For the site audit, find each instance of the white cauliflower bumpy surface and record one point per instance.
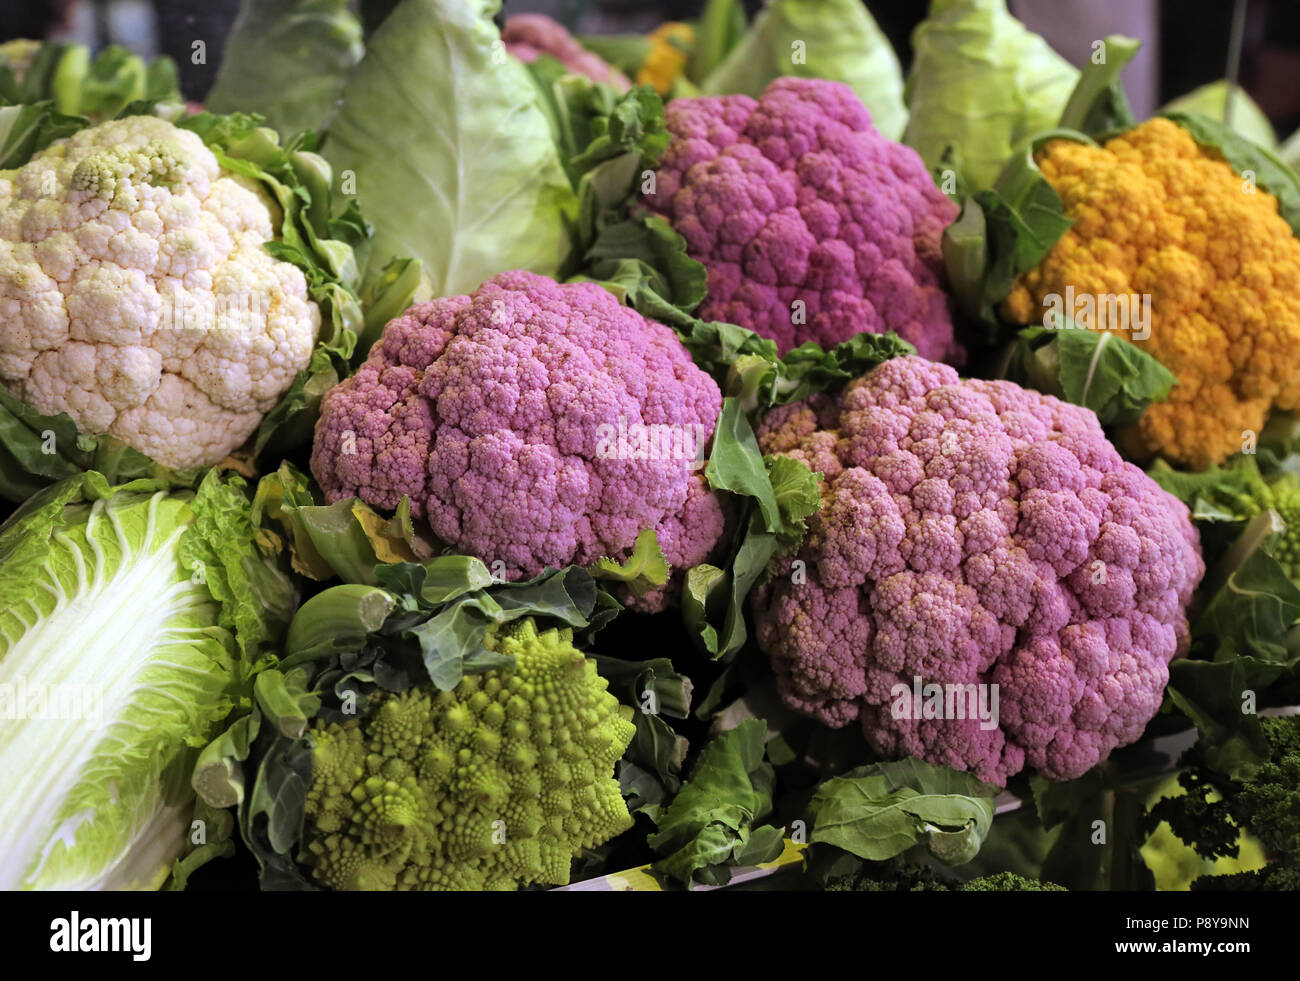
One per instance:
(136, 295)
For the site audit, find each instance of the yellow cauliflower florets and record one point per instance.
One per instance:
(667, 57)
(1155, 214)
(136, 294)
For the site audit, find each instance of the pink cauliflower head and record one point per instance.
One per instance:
(976, 533)
(529, 36)
(813, 226)
(531, 423)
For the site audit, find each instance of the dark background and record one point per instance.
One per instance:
(1190, 46)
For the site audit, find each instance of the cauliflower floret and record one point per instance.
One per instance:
(976, 533)
(501, 416)
(813, 227)
(136, 295)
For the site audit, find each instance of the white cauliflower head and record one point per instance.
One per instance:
(136, 295)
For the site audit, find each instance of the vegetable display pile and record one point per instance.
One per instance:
(470, 454)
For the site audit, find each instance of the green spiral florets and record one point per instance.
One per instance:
(496, 784)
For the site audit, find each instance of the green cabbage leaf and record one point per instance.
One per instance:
(287, 60)
(450, 150)
(980, 85)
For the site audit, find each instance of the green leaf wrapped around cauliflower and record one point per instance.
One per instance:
(495, 784)
(137, 297)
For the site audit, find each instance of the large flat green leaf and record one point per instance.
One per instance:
(879, 811)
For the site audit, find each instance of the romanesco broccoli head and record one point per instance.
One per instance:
(1283, 496)
(493, 785)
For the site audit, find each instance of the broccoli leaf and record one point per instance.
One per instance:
(451, 639)
(876, 812)
(736, 464)
(1096, 369)
(335, 621)
(798, 497)
(654, 684)
(347, 539)
(1229, 104)
(1003, 232)
(646, 568)
(25, 130)
(1244, 640)
(610, 144)
(114, 82)
(1253, 603)
(271, 819)
(650, 771)
(1213, 494)
(218, 842)
(438, 581)
(777, 494)
(709, 827)
(1098, 104)
(600, 126)
(760, 380)
(385, 294)
(1111, 376)
(643, 261)
(1212, 695)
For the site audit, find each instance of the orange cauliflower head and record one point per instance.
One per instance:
(1156, 214)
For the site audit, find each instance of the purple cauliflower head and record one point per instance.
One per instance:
(813, 226)
(532, 424)
(529, 36)
(976, 533)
